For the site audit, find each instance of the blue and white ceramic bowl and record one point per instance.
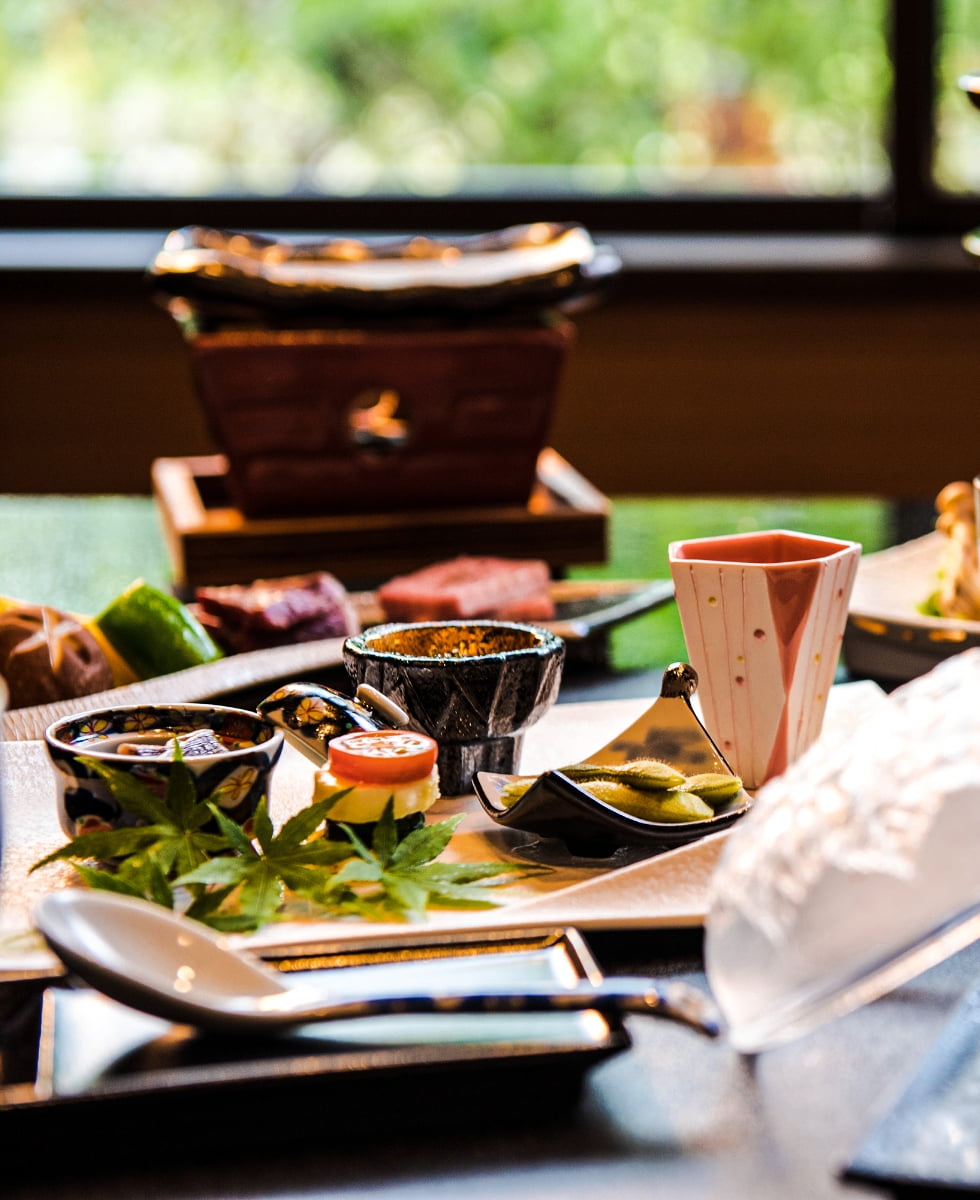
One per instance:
(234, 777)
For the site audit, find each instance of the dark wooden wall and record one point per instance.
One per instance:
(674, 386)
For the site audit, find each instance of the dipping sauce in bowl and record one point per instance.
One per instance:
(229, 752)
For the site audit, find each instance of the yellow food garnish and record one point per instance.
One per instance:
(649, 806)
(959, 571)
(645, 788)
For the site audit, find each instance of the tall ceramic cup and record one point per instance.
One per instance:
(763, 617)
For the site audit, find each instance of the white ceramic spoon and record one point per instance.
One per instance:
(170, 966)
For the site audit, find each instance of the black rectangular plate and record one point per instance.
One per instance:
(106, 1071)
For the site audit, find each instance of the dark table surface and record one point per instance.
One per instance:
(675, 1116)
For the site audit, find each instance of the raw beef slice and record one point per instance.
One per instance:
(468, 587)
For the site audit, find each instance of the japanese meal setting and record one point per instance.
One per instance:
(367, 772)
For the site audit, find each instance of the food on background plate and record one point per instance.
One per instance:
(276, 612)
(958, 594)
(464, 587)
(49, 655)
(154, 633)
(646, 788)
(366, 769)
(144, 632)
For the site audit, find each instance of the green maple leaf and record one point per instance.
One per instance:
(171, 841)
(398, 879)
(239, 881)
(139, 875)
(103, 845)
(260, 875)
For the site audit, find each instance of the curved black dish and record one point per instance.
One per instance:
(556, 807)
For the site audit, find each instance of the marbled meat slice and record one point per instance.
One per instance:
(468, 587)
(276, 612)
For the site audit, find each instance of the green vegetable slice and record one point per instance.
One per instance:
(646, 774)
(154, 632)
(645, 788)
(712, 787)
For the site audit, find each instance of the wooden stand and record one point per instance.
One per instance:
(211, 542)
(376, 419)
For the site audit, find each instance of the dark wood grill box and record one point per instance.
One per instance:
(332, 420)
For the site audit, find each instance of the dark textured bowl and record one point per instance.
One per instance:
(473, 686)
(235, 779)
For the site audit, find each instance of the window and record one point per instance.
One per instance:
(626, 114)
(956, 163)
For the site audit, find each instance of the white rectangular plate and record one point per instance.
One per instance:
(667, 891)
(670, 890)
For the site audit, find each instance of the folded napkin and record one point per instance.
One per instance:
(856, 869)
(930, 1138)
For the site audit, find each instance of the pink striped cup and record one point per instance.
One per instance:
(763, 617)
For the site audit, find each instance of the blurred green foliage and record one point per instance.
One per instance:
(440, 96)
(957, 153)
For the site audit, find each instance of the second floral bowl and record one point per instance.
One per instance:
(229, 753)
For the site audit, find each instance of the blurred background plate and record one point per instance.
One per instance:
(887, 638)
(584, 611)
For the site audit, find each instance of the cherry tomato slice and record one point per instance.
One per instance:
(382, 756)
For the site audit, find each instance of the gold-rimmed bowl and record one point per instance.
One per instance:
(474, 686)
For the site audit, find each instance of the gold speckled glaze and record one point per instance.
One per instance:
(453, 641)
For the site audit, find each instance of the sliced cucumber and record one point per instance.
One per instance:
(154, 633)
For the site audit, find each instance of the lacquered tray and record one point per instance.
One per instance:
(106, 1071)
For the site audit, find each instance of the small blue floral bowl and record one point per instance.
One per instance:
(229, 752)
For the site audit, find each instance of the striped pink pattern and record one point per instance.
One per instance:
(763, 617)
